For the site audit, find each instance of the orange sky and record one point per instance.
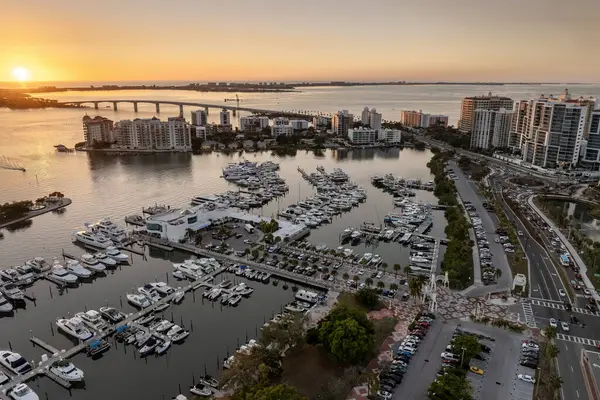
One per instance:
(425, 40)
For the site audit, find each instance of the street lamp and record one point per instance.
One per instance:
(462, 358)
(539, 378)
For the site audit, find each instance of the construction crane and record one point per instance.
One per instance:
(237, 100)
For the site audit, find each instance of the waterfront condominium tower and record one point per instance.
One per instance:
(371, 118)
(491, 128)
(225, 117)
(341, 122)
(470, 104)
(199, 118)
(591, 146)
(97, 130)
(551, 132)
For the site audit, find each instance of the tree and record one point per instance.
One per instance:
(288, 333)
(384, 266)
(466, 347)
(325, 270)
(368, 281)
(334, 272)
(355, 278)
(552, 351)
(414, 288)
(397, 268)
(450, 387)
(346, 340)
(394, 286)
(407, 270)
(277, 392)
(367, 297)
(250, 370)
(254, 253)
(345, 276)
(554, 382)
(549, 332)
(380, 284)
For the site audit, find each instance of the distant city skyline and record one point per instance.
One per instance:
(380, 40)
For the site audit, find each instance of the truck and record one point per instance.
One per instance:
(249, 228)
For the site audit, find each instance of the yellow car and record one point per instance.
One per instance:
(476, 370)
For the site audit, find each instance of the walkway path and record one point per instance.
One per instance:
(50, 206)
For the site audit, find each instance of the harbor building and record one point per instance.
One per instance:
(362, 136)
(97, 130)
(299, 124)
(341, 122)
(491, 128)
(371, 118)
(489, 102)
(224, 117)
(199, 118)
(153, 134)
(253, 123)
(390, 136)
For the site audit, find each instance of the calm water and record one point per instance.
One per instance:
(113, 187)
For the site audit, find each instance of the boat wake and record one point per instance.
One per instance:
(6, 163)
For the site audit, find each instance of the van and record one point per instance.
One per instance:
(249, 228)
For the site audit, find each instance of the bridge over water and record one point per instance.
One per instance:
(206, 106)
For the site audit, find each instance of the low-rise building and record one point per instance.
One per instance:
(419, 119)
(299, 124)
(390, 136)
(253, 123)
(320, 121)
(285, 130)
(362, 136)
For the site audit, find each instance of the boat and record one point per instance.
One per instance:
(74, 327)
(92, 319)
(234, 299)
(347, 252)
(200, 389)
(209, 381)
(366, 258)
(61, 274)
(141, 337)
(225, 284)
(39, 265)
(77, 269)
(161, 307)
(5, 306)
(95, 240)
(116, 255)
(162, 325)
(388, 235)
(292, 307)
(228, 362)
(178, 297)
(148, 346)
(138, 300)
(12, 292)
(376, 260)
(179, 275)
(149, 291)
(225, 298)
(112, 314)
(12, 275)
(180, 397)
(162, 288)
(14, 362)
(148, 319)
(92, 263)
(23, 392)
(177, 333)
(163, 346)
(67, 371)
(97, 347)
(25, 270)
(189, 269)
(105, 259)
(108, 228)
(3, 378)
(306, 295)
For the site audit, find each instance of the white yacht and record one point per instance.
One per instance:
(23, 392)
(67, 371)
(105, 259)
(138, 300)
(162, 288)
(111, 314)
(347, 252)
(148, 346)
(74, 327)
(110, 229)
(200, 389)
(92, 263)
(162, 325)
(163, 345)
(389, 234)
(93, 239)
(5, 307)
(366, 258)
(77, 269)
(61, 274)
(93, 319)
(149, 291)
(116, 254)
(376, 260)
(26, 271)
(12, 292)
(38, 264)
(308, 296)
(14, 362)
(355, 235)
(177, 333)
(189, 269)
(9, 275)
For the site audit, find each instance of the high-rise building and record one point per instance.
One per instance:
(550, 132)
(299, 124)
(371, 118)
(199, 118)
(418, 119)
(225, 117)
(153, 134)
(97, 130)
(435, 119)
(591, 146)
(491, 128)
(341, 122)
(489, 102)
(253, 123)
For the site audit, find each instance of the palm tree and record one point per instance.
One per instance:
(554, 381)
(393, 286)
(414, 287)
(407, 270)
(345, 276)
(397, 268)
(355, 278)
(334, 273)
(325, 270)
(552, 351)
(368, 281)
(380, 284)
(549, 333)
(384, 266)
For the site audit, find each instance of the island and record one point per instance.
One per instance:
(17, 100)
(19, 211)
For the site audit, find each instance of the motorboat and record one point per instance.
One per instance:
(14, 362)
(376, 260)
(141, 337)
(116, 254)
(138, 300)
(163, 346)
(347, 252)
(89, 260)
(177, 333)
(93, 239)
(189, 269)
(209, 381)
(105, 259)
(23, 392)
(228, 362)
(366, 257)
(148, 346)
(178, 297)
(77, 269)
(225, 298)
(39, 265)
(161, 307)
(113, 231)
(111, 314)
(293, 307)
(179, 275)
(306, 295)
(67, 371)
(25, 270)
(13, 275)
(12, 292)
(92, 319)
(149, 291)
(200, 389)
(5, 306)
(162, 288)
(74, 327)
(61, 274)
(225, 284)
(235, 299)
(147, 320)
(162, 325)
(3, 378)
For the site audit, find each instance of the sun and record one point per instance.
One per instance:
(21, 74)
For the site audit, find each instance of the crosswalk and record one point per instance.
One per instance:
(577, 339)
(559, 306)
(529, 318)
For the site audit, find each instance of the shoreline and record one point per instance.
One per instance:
(31, 214)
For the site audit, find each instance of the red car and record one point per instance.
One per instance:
(578, 275)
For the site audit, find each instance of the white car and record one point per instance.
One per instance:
(361, 271)
(520, 233)
(526, 378)
(564, 326)
(562, 292)
(384, 395)
(553, 323)
(448, 355)
(586, 292)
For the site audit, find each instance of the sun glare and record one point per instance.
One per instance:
(21, 74)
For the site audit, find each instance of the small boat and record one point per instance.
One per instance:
(112, 314)
(179, 275)
(97, 347)
(92, 319)
(146, 320)
(62, 275)
(5, 306)
(14, 362)
(3, 378)
(162, 288)
(138, 300)
(235, 299)
(23, 392)
(163, 346)
(149, 291)
(141, 337)
(39, 265)
(225, 284)
(161, 307)
(148, 346)
(294, 308)
(67, 371)
(74, 327)
(178, 297)
(77, 269)
(12, 292)
(225, 298)
(116, 254)
(105, 259)
(177, 333)
(162, 325)
(200, 389)
(209, 381)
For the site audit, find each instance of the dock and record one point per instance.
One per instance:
(39, 342)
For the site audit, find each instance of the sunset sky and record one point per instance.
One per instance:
(375, 40)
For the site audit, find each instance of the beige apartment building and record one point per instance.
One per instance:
(489, 102)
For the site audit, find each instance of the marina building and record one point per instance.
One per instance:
(341, 122)
(253, 123)
(97, 130)
(224, 117)
(299, 124)
(199, 118)
(390, 136)
(371, 118)
(362, 136)
(491, 128)
(153, 134)
(489, 102)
